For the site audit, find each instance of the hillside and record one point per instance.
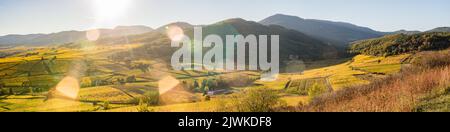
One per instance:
(406, 32)
(440, 29)
(402, 43)
(69, 36)
(422, 87)
(157, 44)
(291, 42)
(183, 25)
(337, 33)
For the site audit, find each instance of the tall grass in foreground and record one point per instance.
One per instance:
(430, 73)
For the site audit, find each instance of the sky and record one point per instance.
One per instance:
(47, 16)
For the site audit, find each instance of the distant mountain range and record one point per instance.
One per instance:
(439, 29)
(339, 34)
(292, 43)
(70, 36)
(405, 32)
(336, 33)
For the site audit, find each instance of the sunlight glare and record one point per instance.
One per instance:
(175, 33)
(92, 35)
(167, 83)
(110, 9)
(69, 87)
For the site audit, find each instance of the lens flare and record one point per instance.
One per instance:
(167, 83)
(175, 33)
(93, 35)
(68, 87)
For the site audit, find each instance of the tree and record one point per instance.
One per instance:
(152, 97)
(11, 92)
(106, 105)
(143, 105)
(1, 88)
(131, 79)
(121, 81)
(31, 91)
(211, 84)
(196, 85)
(257, 100)
(203, 87)
(86, 82)
(288, 84)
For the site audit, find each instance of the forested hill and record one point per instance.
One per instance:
(402, 43)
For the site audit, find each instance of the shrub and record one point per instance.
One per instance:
(131, 79)
(152, 97)
(256, 100)
(196, 85)
(106, 105)
(143, 106)
(432, 59)
(207, 98)
(86, 82)
(437, 101)
(3, 91)
(11, 91)
(239, 80)
(316, 90)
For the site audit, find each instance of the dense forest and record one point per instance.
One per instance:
(401, 43)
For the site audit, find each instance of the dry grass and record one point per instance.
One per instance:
(398, 93)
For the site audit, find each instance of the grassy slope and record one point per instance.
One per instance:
(424, 86)
(437, 102)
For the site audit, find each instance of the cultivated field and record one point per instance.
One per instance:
(34, 79)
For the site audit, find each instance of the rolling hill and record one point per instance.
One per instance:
(69, 36)
(183, 25)
(406, 32)
(402, 43)
(291, 42)
(337, 33)
(440, 29)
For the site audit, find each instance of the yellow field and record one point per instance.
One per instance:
(343, 75)
(45, 67)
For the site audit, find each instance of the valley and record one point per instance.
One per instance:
(339, 67)
(30, 77)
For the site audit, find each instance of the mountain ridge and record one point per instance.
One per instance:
(70, 36)
(337, 33)
(292, 43)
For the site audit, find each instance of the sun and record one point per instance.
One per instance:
(110, 9)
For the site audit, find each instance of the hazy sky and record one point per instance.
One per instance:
(46, 16)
